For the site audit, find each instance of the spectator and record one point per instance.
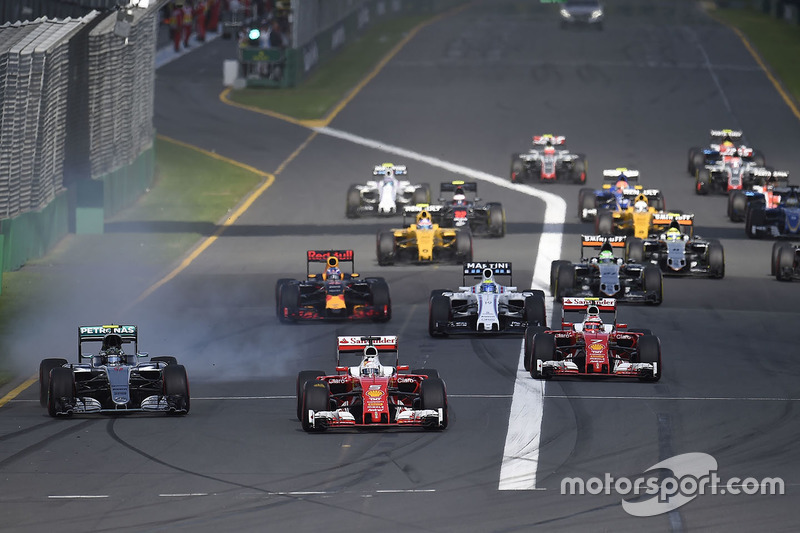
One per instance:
(200, 8)
(187, 22)
(212, 22)
(176, 24)
(275, 37)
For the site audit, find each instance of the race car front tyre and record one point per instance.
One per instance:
(463, 246)
(497, 219)
(554, 267)
(703, 182)
(518, 172)
(278, 284)
(302, 377)
(44, 377)
(634, 250)
(737, 205)
(565, 281)
(535, 313)
(61, 392)
(604, 223)
(785, 268)
(176, 389)
(386, 248)
(653, 284)
(586, 200)
(353, 202)
(316, 397)
(649, 351)
(658, 202)
(697, 159)
(527, 345)
(438, 316)
(776, 250)
(544, 349)
(381, 300)
(579, 170)
(755, 216)
(422, 194)
(716, 260)
(289, 302)
(433, 395)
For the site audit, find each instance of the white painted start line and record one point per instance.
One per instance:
(521, 452)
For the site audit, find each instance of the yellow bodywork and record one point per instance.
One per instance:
(637, 223)
(426, 240)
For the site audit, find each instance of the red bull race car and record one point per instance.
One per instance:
(371, 394)
(332, 294)
(592, 343)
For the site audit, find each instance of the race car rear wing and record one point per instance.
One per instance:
(595, 242)
(128, 334)
(355, 344)
(436, 211)
(661, 220)
(380, 170)
(580, 308)
(466, 186)
(723, 134)
(321, 256)
(555, 140)
(614, 174)
(478, 269)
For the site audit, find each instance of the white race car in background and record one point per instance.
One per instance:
(387, 194)
(487, 306)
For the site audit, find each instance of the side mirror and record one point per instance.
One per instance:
(354, 275)
(566, 325)
(403, 367)
(312, 276)
(86, 356)
(622, 326)
(342, 368)
(142, 354)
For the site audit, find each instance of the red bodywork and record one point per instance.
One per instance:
(601, 351)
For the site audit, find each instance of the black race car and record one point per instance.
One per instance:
(332, 294)
(786, 261)
(464, 209)
(112, 380)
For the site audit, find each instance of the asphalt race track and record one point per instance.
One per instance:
(469, 90)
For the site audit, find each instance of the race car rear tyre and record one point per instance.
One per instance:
(176, 388)
(554, 267)
(658, 202)
(61, 391)
(634, 250)
(535, 313)
(604, 223)
(544, 349)
(697, 160)
(438, 316)
(579, 170)
(703, 182)
(430, 372)
(755, 216)
(381, 299)
(776, 250)
(737, 205)
(316, 397)
(433, 395)
(565, 281)
(422, 194)
(653, 283)
(302, 377)
(353, 202)
(463, 246)
(170, 360)
(289, 301)
(758, 158)
(716, 260)
(527, 345)
(785, 268)
(497, 220)
(386, 248)
(586, 200)
(649, 351)
(517, 173)
(278, 284)
(44, 377)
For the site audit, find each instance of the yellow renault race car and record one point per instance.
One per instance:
(423, 241)
(636, 219)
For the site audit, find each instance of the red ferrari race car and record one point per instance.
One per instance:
(370, 394)
(592, 346)
(333, 294)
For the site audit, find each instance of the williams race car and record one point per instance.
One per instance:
(544, 162)
(423, 241)
(592, 346)
(676, 249)
(607, 274)
(782, 221)
(386, 194)
(786, 261)
(112, 380)
(722, 141)
(466, 210)
(485, 307)
(618, 195)
(333, 294)
(761, 193)
(370, 394)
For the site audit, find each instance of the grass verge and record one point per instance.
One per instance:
(333, 79)
(776, 40)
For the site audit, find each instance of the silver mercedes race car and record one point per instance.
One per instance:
(485, 307)
(387, 194)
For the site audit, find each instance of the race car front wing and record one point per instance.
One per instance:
(405, 417)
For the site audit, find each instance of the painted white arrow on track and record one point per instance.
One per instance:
(521, 453)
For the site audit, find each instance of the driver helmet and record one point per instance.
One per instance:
(112, 356)
(549, 149)
(370, 368)
(606, 255)
(674, 234)
(640, 206)
(727, 144)
(621, 184)
(425, 223)
(488, 286)
(459, 198)
(333, 273)
(593, 323)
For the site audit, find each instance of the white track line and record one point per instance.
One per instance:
(521, 452)
(78, 496)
